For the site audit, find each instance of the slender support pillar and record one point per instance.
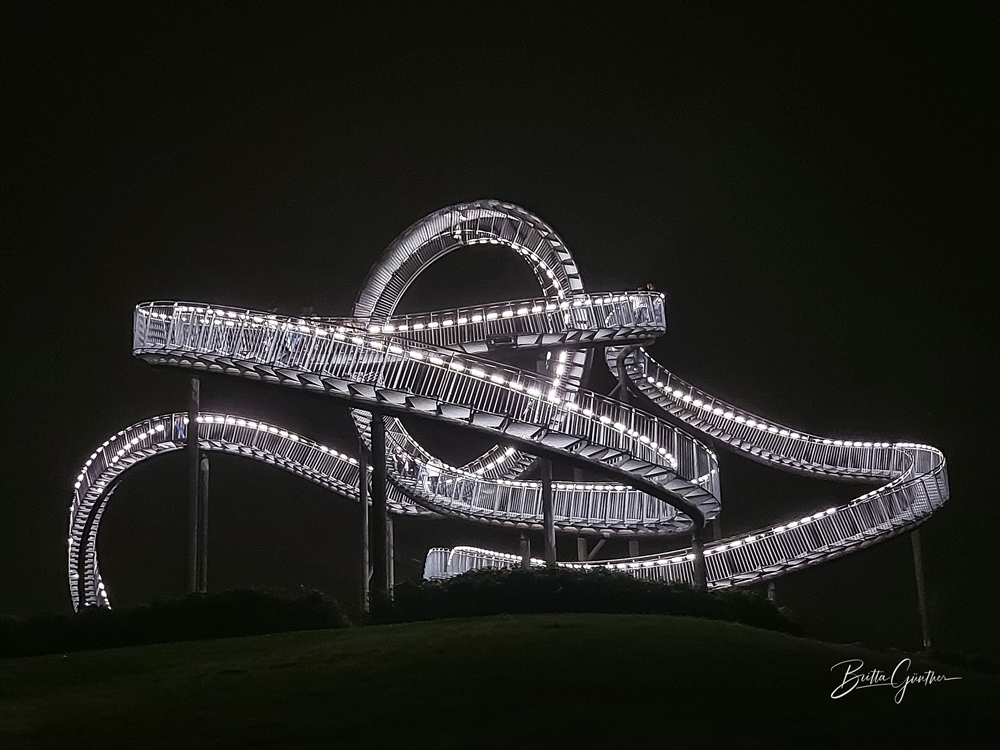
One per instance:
(524, 549)
(716, 529)
(622, 386)
(391, 544)
(194, 470)
(918, 567)
(378, 523)
(633, 547)
(581, 541)
(770, 591)
(697, 548)
(548, 514)
(203, 526)
(366, 572)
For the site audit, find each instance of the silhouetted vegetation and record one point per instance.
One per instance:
(475, 594)
(198, 616)
(975, 662)
(492, 592)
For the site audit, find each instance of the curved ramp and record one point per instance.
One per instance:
(226, 433)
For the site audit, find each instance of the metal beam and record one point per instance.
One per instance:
(379, 524)
(194, 470)
(918, 568)
(203, 526)
(548, 515)
(366, 572)
(597, 548)
(698, 549)
(391, 545)
(620, 371)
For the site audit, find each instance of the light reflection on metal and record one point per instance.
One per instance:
(430, 365)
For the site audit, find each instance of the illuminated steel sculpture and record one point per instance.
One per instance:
(661, 480)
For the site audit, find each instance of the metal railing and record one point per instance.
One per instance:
(761, 439)
(917, 485)
(226, 433)
(774, 550)
(406, 376)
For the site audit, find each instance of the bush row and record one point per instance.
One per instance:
(478, 593)
(491, 591)
(198, 616)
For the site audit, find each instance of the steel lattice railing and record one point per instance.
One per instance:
(407, 377)
(226, 433)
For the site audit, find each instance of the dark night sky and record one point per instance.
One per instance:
(816, 189)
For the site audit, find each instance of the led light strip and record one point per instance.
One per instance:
(226, 433)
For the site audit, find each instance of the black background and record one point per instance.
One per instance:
(815, 187)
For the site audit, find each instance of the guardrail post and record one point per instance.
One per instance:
(548, 515)
(918, 568)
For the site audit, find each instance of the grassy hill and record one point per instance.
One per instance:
(561, 680)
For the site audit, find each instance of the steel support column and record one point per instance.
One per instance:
(524, 549)
(918, 568)
(548, 514)
(391, 545)
(697, 548)
(194, 471)
(379, 510)
(203, 525)
(622, 388)
(366, 572)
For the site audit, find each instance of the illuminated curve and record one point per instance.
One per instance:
(662, 479)
(914, 475)
(236, 435)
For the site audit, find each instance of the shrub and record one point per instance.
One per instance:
(198, 616)
(516, 591)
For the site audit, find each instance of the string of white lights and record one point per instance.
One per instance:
(235, 435)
